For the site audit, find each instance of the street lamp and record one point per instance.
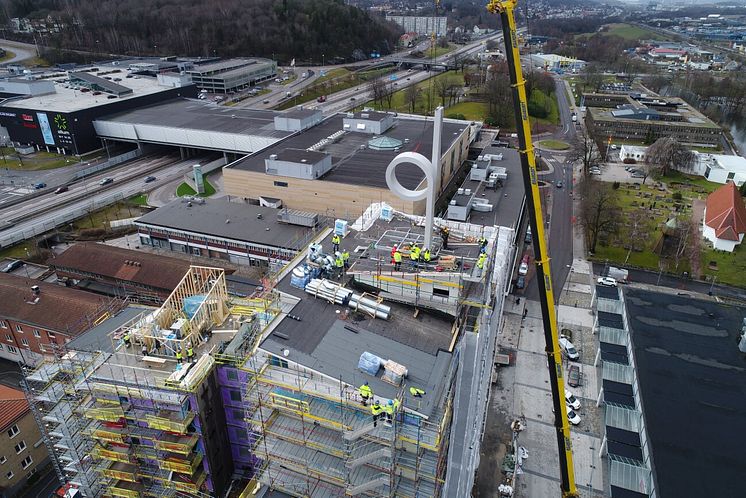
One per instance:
(323, 60)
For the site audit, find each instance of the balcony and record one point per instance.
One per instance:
(181, 466)
(169, 421)
(109, 435)
(121, 471)
(189, 487)
(173, 443)
(114, 453)
(109, 414)
(126, 489)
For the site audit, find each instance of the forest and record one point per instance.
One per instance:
(283, 29)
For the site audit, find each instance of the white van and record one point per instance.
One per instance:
(568, 348)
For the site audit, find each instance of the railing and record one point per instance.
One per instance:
(165, 424)
(181, 466)
(105, 414)
(108, 163)
(182, 447)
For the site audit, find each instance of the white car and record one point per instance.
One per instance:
(571, 401)
(523, 269)
(573, 417)
(607, 281)
(568, 348)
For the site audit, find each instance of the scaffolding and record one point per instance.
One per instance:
(316, 439)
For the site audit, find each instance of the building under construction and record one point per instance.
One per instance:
(211, 389)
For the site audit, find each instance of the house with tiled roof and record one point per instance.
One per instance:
(21, 450)
(37, 317)
(724, 222)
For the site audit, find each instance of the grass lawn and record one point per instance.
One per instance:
(334, 73)
(424, 88)
(333, 81)
(186, 189)
(101, 218)
(629, 32)
(553, 144)
(290, 79)
(553, 118)
(731, 266)
(472, 111)
(37, 161)
(697, 181)
(18, 251)
(439, 50)
(8, 55)
(139, 200)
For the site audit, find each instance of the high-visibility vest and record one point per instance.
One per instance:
(397, 257)
(426, 256)
(339, 262)
(376, 409)
(482, 241)
(390, 409)
(345, 255)
(481, 260)
(178, 355)
(415, 253)
(190, 352)
(414, 391)
(365, 391)
(336, 239)
(126, 338)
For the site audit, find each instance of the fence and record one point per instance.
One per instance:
(113, 161)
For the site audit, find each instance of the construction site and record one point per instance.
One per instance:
(214, 393)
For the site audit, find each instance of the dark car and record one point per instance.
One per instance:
(14, 265)
(61, 189)
(559, 184)
(106, 181)
(149, 179)
(521, 282)
(40, 185)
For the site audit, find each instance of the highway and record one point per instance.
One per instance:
(89, 195)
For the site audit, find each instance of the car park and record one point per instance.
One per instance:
(606, 281)
(568, 348)
(571, 400)
(573, 417)
(149, 179)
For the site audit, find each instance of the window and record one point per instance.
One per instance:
(19, 328)
(231, 374)
(9, 475)
(235, 395)
(24, 341)
(20, 446)
(440, 292)
(3, 460)
(26, 462)
(196, 251)
(12, 349)
(37, 333)
(3, 324)
(1, 347)
(51, 336)
(13, 432)
(281, 184)
(8, 337)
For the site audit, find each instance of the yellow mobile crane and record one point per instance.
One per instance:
(505, 9)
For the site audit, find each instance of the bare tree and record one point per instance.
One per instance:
(442, 86)
(644, 170)
(667, 154)
(377, 89)
(411, 96)
(584, 149)
(638, 227)
(599, 213)
(593, 77)
(388, 92)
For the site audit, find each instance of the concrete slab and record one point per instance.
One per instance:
(579, 287)
(533, 403)
(532, 340)
(581, 266)
(531, 370)
(588, 466)
(575, 316)
(534, 485)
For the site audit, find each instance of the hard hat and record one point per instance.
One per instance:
(366, 383)
(391, 402)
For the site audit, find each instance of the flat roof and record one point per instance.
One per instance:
(224, 65)
(211, 218)
(300, 155)
(330, 339)
(693, 386)
(97, 338)
(355, 165)
(192, 114)
(71, 100)
(107, 85)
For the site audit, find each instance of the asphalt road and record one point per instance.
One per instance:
(22, 51)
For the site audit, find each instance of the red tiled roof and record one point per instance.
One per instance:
(58, 308)
(726, 213)
(12, 405)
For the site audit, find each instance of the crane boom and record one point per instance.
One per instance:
(505, 9)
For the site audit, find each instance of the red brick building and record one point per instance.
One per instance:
(35, 316)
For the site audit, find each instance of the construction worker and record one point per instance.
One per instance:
(346, 258)
(336, 240)
(393, 252)
(444, 234)
(127, 340)
(190, 353)
(414, 254)
(376, 409)
(339, 263)
(481, 260)
(416, 392)
(482, 243)
(397, 260)
(144, 350)
(179, 356)
(365, 393)
(426, 255)
(390, 408)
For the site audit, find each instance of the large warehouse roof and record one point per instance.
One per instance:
(195, 124)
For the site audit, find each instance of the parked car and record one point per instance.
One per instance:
(106, 181)
(638, 175)
(573, 417)
(606, 281)
(149, 179)
(568, 348)
(40, 185)
(352, 99)
(528, 237)
(595, 171)
(559, 184)
(61, 189)
(521, 282)
(571, 400)
(13, 265)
